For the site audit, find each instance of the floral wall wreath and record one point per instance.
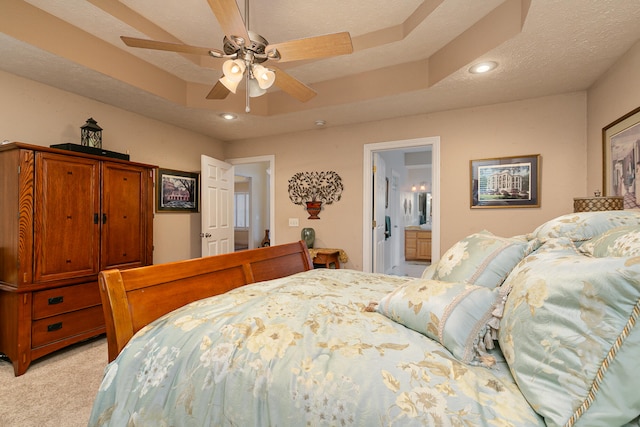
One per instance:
(314, 189)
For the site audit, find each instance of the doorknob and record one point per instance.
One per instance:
(205, 235)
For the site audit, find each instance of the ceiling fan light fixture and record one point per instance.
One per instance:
(255, 90)
(232, 85)
(264, 76)
(233, 70)
(483, 67)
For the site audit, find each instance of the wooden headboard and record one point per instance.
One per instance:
(133, 298)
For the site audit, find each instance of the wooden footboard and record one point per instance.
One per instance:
(133, 298)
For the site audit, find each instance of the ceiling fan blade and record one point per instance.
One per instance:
(219, 91)
(314, 47)
(171, 47)
(293, 86)
(228, 15)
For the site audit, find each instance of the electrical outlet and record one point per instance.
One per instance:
(293, 222)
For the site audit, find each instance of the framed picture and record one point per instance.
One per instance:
(506, 182)
(621, 159)
(177, 191)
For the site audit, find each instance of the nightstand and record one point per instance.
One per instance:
(324, 257)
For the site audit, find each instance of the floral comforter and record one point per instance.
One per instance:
(300, 351)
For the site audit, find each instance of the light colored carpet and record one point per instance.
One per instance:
(57, 390)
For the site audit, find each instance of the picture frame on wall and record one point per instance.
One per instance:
(621, 159)
(505, 182)
(177, 191)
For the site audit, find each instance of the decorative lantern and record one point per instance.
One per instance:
(91, 134)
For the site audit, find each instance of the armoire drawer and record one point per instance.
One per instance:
(66, 325)
(65, 299)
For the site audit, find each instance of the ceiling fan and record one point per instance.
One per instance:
(246, 51)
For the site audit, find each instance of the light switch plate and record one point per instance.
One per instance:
(293, 222)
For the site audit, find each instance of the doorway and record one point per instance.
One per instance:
(258, 173)
(371, 253)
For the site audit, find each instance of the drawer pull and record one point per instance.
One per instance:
(54, 327)
(56, 300)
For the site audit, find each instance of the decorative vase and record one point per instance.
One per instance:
(309, 236)
(314, 209)
(266, 241)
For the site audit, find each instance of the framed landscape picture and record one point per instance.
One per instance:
(506, 182)
(177, 191)
(621, 159)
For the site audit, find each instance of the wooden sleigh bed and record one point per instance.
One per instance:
(260, 338)
(133, 298)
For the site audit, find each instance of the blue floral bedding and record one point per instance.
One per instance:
(300, 351)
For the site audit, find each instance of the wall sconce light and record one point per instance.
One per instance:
(91, 134)
(423, 187)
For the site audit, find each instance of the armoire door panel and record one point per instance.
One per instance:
(66, 236)
(123, 228)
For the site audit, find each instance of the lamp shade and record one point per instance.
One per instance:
(232, 85)
(264, 76)
(254, 89)
(233, 70)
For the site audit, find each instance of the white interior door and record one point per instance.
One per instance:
(216, 206)
(379, 195)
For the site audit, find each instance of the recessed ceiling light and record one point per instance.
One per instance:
(320, 122)
(483, 67)
(228, 116)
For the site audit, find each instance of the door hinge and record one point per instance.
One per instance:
(373, 224)
(375, 168)
(19, 169)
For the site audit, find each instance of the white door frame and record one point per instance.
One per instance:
(367, 191)
(378, 194)
(272, 185)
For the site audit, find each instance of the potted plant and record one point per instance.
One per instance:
(314, 189)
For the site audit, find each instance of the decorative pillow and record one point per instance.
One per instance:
(429, 272)
(570, 337)
(583, 226)
(482, 259)
(617, 242)
(457, 315)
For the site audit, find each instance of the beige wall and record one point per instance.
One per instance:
(38, 114)
(554, 127)
(615, 94)
(564, 129)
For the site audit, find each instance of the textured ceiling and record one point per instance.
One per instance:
(547, 47)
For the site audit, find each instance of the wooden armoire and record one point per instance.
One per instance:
(64, 216)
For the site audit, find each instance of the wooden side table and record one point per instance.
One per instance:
(327, 256)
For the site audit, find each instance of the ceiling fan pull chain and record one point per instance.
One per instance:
(247, 108)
